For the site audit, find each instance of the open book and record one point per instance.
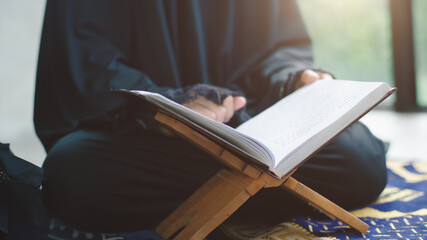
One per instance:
(282, 137)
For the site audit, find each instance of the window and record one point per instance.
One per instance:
(419, 8)
(351, 39)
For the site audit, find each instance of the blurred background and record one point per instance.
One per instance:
(381, 40)
(20, 29)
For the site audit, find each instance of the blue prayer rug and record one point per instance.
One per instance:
(399, 213)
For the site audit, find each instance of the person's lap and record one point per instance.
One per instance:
(102, 181)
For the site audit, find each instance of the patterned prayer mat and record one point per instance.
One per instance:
(399, 213)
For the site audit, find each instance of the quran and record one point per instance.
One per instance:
(285, 135)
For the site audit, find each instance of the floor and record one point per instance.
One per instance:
(406, 132)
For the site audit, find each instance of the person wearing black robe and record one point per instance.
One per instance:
(108, 168)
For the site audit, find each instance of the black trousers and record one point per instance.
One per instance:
(102, 181)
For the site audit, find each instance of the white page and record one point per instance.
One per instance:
(291, 122)
(239, 140)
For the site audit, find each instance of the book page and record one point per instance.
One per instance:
(229, 135)
(287, 133)
(293, 121)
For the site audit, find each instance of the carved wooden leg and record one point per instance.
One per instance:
(209, 206)
(182, 215)
(324, 205)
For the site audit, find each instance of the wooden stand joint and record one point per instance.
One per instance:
(225, 192)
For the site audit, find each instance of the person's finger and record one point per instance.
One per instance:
(195, 106)
(202, 109)
(309, 76)
(238, 102)
(221, 113)
(228, 104)
(219, 110)
(325, 76)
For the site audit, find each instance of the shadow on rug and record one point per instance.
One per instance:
(399, 213)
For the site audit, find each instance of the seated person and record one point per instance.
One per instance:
(108, 166)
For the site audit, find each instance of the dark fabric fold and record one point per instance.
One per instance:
(168, 47)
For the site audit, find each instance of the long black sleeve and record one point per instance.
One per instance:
(85, 50)
(277, 31)
(170, 47)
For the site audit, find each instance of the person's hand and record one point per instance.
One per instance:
(221, 113)
(309, 76)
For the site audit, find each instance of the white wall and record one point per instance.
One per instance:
(20, 28)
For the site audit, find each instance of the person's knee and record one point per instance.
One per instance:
(93, 180)
(65, 162)
(365, 166)
(67, 173)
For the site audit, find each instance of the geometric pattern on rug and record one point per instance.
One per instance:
(399, 213)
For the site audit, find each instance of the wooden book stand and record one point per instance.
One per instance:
(226, 191)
